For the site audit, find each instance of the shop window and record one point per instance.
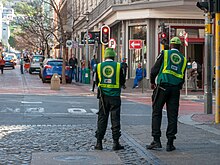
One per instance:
(135, 55)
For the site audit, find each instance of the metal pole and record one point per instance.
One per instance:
(208, 65)
(87, 46)
(186, 77)
(217, 68)
(143, 66)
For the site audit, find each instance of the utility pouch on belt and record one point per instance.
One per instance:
(154, 95)
(156, 92)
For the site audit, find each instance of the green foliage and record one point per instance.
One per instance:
(11, 41)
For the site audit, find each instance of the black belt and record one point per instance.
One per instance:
(168, 85)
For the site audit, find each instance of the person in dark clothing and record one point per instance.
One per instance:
(73, 65)
(109, 79)
(169, 69)
(124, 66)
(93, 64)
(22, 65)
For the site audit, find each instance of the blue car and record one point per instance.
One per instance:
(51, 66)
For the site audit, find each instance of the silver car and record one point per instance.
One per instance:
(35, 63)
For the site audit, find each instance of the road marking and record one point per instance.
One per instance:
(27, 102)
(76, 110)
(7, 109)
(94, 110)
(35, 110)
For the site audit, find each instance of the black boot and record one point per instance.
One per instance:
(170, 146)
(117, 146)
(155, 144)
(98, 145)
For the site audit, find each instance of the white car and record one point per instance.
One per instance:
(13, 56)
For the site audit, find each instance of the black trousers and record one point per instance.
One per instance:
(2, 68)
(112, 106)
(170, 96)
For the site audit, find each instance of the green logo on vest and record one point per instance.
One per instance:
(175, 58)
(108, 71)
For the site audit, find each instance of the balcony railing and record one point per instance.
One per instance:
(105, 4)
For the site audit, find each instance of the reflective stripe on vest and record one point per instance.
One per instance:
(116, 85)
(170, 71)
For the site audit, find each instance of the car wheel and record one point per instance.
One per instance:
(43, 80)
(40, 75)
(69, 81)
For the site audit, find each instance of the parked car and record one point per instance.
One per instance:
(51, 66)
(35, 63)
(9, 62)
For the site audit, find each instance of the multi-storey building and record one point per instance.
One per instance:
(1, 8)
(139, 19)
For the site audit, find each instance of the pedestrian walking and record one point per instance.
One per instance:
(21, 65)
(93, 64)
(73, 62)
(193, 76)
(140, 73)
(93, 78)
(124, 66)
(2, 64)
(110, 79)
(170, 72)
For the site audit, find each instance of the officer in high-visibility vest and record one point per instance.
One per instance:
(169, 69)
(109, 79)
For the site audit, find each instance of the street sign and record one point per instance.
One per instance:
(186, 39)
(135, 44)
(92, 37)
(112, 43)
(69, 43)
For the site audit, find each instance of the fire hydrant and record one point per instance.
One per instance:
(55, 82)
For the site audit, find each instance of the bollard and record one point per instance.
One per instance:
(55, 82)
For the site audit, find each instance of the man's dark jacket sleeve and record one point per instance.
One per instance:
(156, 68)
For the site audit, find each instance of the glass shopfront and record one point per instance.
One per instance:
(135, 55)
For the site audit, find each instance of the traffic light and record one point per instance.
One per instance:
(105, 35)
(210, 6)
(164, 36)
(203, 6)
(216, 3)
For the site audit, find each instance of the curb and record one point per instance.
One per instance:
(187, 119)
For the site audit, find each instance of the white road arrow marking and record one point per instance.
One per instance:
(27, 102)
(35, 110)
(76, 110)
(94, 110)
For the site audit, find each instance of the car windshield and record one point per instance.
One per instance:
(55, 63)
(11, 56)
(8, 58)
(37, 58)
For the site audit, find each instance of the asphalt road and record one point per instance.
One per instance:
(31, 109)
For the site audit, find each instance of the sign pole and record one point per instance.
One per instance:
(186, 76)
(208, 64)
(143, 66)
(217, 67)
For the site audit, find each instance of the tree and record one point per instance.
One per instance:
(47, 19)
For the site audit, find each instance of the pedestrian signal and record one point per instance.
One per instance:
(105, 35)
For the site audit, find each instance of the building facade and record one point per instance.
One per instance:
(138, 19)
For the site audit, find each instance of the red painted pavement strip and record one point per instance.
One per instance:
(186, 107)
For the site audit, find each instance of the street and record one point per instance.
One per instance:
(42, 126)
